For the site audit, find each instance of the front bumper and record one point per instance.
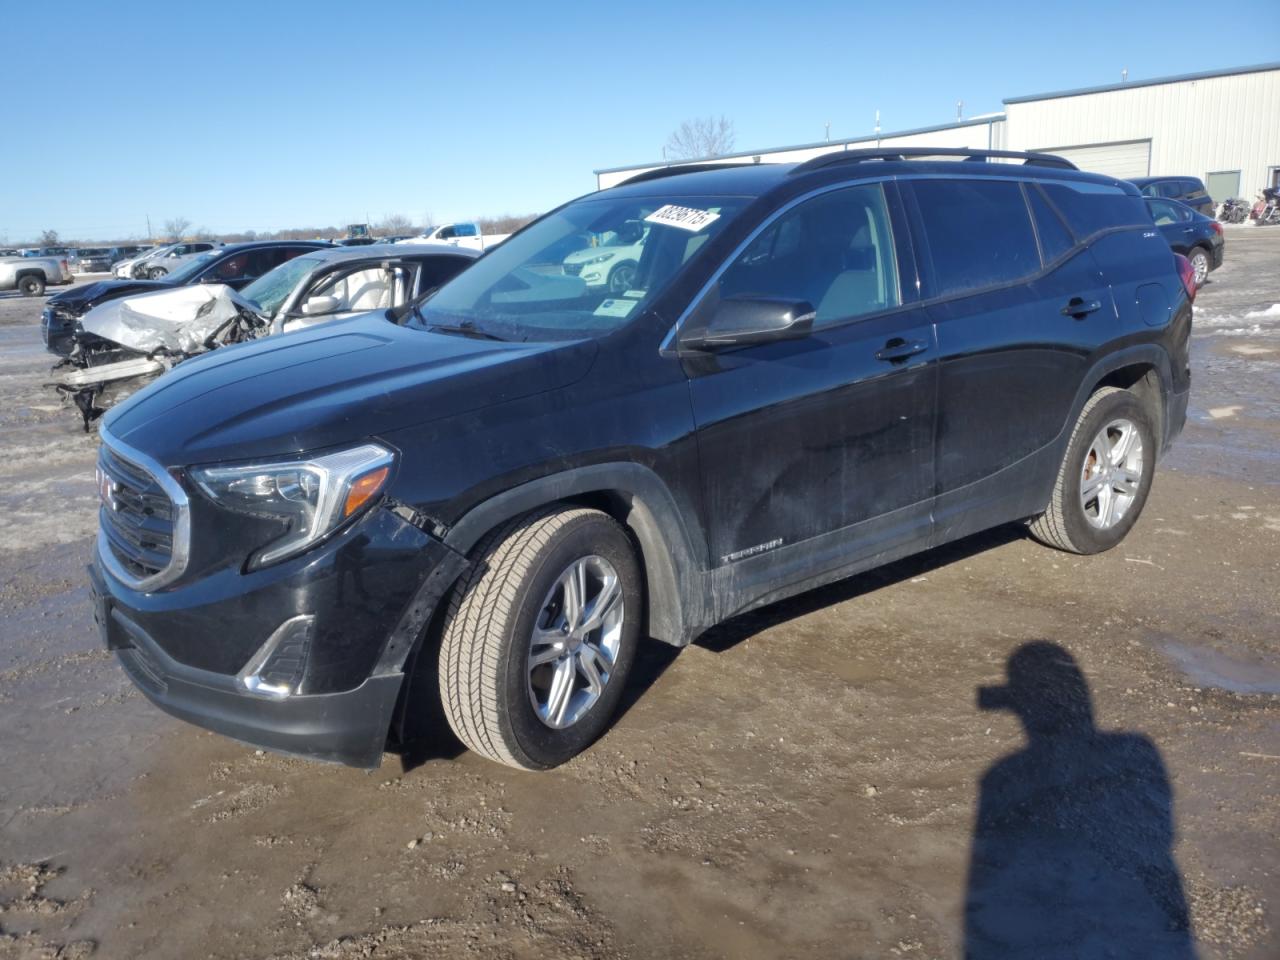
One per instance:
(369, 593)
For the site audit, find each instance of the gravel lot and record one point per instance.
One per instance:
(811, 780)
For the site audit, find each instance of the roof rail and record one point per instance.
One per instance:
(888, 153)
(657, 173)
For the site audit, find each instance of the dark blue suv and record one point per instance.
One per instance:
(485, 500)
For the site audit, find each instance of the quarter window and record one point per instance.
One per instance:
(834, 252)
(1055, 239)
(978, 233)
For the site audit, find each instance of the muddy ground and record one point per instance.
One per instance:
(808, 781)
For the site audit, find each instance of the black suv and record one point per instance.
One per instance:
(1188, 190)
(815, 370)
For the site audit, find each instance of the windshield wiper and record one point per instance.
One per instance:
(465, 328)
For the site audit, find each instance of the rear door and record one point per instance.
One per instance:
(1173, 222)
(1017, 309)
(825, 441)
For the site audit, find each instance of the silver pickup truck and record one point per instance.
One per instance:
(30, 275)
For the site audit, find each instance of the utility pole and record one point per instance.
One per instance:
(959, 110)
(148, 228)
(828, 131)
(1124, 75)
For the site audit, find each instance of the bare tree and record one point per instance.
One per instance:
(49, 238)
(394, 225)
(204, 233)
(701, 137)
(507, 223)
(176, 228)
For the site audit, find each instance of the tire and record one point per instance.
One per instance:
(492, 694)
(1201, 264)
(155, 273)
(1076, 524)
(31, 285)
(621, 278)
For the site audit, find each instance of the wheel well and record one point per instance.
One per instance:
(1143, 381)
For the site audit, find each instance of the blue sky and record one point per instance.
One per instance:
(276, 113)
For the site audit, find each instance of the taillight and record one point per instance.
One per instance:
(1188, 274)
(1217, 227)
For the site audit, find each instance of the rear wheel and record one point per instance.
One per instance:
(539, 637)
(1105, 477)
(1199, 258)
(31, 285)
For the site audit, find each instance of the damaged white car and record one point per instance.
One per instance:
(122, 345)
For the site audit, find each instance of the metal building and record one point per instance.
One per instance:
(1222, 126)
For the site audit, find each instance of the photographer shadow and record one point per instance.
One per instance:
(1071, 851)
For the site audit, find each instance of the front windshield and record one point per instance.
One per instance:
(271, 289)
(581, 271)
(187, 271)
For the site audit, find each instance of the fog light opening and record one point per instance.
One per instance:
(277, 669)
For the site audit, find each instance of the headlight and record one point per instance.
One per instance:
(600, 259)
(313, 497)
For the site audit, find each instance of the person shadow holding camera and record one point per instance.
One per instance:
(1071, 851)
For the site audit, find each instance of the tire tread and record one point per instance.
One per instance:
(481, 609)
(1050, 528)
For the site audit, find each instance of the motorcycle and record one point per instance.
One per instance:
(1266, 210)
(1233, 210)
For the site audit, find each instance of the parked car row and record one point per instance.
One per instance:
(483, 498)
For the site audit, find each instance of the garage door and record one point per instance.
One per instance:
(1132, 158)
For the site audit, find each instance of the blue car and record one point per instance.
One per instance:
(1190, 233)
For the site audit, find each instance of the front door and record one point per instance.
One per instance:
(803, 442)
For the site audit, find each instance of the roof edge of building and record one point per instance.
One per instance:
(1151, 82)
(984, 120)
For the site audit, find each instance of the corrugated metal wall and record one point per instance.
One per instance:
(1196, 127)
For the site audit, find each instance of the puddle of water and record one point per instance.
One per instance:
(1207, 667)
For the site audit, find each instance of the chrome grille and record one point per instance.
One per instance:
(572, 269)
(143, 523)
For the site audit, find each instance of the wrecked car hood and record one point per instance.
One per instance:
(85, 295)
(178, 319)
(330, 385)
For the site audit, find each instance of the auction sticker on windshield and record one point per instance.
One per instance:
(686, 218)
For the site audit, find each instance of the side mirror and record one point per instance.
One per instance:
(742, 321)
(320, 305)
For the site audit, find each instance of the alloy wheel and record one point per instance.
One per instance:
(1112, 474)
(575, 642)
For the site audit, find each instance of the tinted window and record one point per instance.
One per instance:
(1192, 185)
(1171, 189)
(834, 252)
(436, 270)
(978, 233)
(1091, 207)
(1055, 239)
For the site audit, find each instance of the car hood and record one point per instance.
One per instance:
(331, 385)
(83, 297)
(581, 256)
(179, 319)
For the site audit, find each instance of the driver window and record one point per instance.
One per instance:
(368, 289)
(834, 252)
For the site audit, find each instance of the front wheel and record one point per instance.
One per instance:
(155, 273)
(621, 278)
(1105, 477)
(539, 637)
(31, 285)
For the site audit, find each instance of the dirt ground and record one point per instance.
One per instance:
(812, 780)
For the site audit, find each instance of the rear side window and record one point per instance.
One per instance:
(978, 233)
(1055, 239)
(1091, 208)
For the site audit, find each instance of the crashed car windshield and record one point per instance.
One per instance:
(528, 289)
(271, 289)
(185, 273)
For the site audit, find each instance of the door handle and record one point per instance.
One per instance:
(1079, 308)
(896, 350)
